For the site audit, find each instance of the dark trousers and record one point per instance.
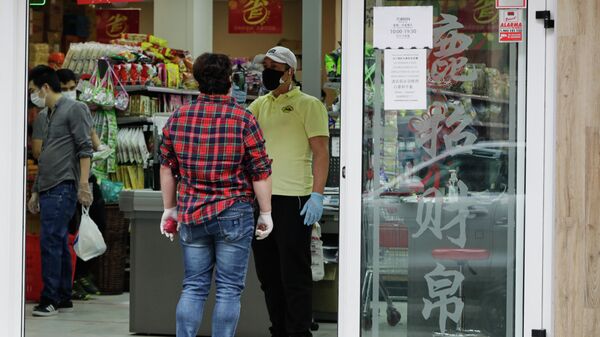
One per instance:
(283, 267)
(57, 206)
(98, 215)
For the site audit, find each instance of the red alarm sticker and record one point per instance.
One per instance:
(510, 28)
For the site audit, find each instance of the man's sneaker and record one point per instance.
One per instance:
(88, 286)
(45, 310)
(65, 306)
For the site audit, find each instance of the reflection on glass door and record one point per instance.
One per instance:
(443, 186)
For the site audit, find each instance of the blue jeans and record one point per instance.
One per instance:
(222, 244)
(57, 206)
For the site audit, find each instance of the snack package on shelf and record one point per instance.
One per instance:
(173, 78)
(145, 38)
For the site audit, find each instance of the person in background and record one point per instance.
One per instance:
(217, 149)
(64, 166)
(83, 285)
(296, 131)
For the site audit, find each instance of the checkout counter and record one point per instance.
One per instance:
(157, 271)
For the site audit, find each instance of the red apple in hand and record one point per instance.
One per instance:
(171, 226)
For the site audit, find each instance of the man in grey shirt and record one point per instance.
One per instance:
(64, 166)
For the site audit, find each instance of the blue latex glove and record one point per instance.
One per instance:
(313, 209)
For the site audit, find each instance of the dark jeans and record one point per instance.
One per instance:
(283, 267)
(98, 215)
(57, 206)
(222, 245)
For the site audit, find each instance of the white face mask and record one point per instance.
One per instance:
(71, 94)
(37, 100)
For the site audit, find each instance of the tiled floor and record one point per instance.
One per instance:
(103, 316)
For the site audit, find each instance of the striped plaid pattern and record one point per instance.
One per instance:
(218, 149)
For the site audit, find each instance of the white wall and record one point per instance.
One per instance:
(13, 25)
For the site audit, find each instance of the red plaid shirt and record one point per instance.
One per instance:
(217, 149)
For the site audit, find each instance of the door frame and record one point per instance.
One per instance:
(536, 266)
(13, 95)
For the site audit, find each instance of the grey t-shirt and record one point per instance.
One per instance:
(65, 133)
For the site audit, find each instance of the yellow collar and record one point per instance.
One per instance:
(290, 94)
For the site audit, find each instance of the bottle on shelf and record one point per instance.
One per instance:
(453, 187)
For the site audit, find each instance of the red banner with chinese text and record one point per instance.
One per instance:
(255, 17)
(111, 23)
(95, 2)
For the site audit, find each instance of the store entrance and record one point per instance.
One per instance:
(131, 62)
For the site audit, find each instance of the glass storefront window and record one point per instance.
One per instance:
(443, 187)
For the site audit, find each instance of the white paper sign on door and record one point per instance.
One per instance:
(503, 4)
(405, 79)
(403, 27)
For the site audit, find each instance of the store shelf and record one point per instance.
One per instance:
(491, 125)
(471, 96)
(140, 88)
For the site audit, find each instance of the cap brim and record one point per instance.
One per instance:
(276, 59)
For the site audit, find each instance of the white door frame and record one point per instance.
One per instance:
(539, 174)
(13, 25)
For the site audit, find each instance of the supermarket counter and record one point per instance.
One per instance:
(157, 271)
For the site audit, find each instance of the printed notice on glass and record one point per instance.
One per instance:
(504, 4)
(405, 79)
(403, 27)
(511, 25)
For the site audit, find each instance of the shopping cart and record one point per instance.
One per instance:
(382, 217)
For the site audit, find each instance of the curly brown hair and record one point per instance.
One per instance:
(213, 73)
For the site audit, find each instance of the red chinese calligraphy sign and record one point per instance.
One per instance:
(111, 23)
(255, 16)
(95, 2)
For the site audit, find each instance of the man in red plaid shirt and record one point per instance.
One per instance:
(217, 149)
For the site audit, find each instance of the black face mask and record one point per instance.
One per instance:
(270, 78)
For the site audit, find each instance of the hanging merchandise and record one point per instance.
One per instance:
(238, 85)
(121, 97)
(104, 94)
(105, 124)
(133, 157)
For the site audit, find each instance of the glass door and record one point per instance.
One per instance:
(443, 216)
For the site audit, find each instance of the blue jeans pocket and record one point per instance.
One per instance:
(237, 222)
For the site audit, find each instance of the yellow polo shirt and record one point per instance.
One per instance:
(287, 123)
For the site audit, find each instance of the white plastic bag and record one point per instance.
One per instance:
(89, 242)
(316, 251)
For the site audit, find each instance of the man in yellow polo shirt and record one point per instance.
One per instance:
(295, 127)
